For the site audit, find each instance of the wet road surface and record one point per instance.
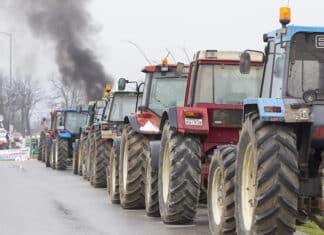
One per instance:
(37, 200)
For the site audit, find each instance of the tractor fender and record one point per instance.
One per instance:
(131, 120)
(154, 154)
(116, 145)
(171, 116)
(259, 104)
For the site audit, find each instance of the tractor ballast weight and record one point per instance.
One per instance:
(281, 142)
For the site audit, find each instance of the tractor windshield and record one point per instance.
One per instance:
(74, 120)
(306, 64)
(166, 93)
(122, 105)
(224, 84)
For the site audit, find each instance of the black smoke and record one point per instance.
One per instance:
(68, 24)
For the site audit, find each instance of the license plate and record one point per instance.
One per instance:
(193, 122)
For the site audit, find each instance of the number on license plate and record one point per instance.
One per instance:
(193, 122)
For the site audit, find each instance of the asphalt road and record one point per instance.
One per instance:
(39, 201)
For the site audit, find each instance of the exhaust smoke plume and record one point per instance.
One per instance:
(68, 24)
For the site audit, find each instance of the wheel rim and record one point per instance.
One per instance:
(248, 187)
(148, 183)
(125, 165)
(217, 196)
(166, 172)
(113, 175)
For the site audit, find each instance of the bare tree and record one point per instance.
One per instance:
(68, 95)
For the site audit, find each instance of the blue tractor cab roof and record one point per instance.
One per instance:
(291, 31)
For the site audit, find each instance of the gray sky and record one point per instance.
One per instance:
(154, 26)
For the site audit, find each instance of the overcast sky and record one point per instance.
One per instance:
(155, 26)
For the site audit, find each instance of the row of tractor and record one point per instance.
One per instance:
(195, 135)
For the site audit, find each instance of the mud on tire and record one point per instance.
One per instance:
(267, 178)
(48, 148)
(75, 158)
(220, 195)
(134, 149)
(179, 176)
(85, 156)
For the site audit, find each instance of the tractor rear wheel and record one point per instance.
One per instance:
(134, 150)
(75, 157)
(113, 176)
(100, 161)
(267, 178)
(151, 190)
(62, 154)
(220, 195)
(179, 176)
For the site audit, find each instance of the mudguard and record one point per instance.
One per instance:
(64, 134)
(261, 103)
(155, 153)
(171, 116)
(116, 145)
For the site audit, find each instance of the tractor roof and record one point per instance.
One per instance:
(124, 93)
(214, 55)
(66, 110)
(291, 31)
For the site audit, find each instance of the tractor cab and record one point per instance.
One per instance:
(69, 122)
(122, 103)
(215, 92)
(164, 87)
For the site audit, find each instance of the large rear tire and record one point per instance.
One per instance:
(134, 149)
(220, 194)
(100, 161)
(179, 176)
(53, 154)
(267, 178)
(62, 154)
(113, 175)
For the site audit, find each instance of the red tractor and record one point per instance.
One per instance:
(193, 135)
(164, 88)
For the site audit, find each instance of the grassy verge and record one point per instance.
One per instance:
(312, 228)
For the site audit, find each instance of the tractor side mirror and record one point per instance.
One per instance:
(122, 84)
(245, 63)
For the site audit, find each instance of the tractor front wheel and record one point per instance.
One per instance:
(62, 154)
(179, 176)
(220, 194)
(113, 175)
(267, 178)
(134, 149)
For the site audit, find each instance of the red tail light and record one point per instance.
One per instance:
(88, 128)
(105, 127)
(192, 114)
(144, 115)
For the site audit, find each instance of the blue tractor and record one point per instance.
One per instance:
(279, 173)
(68, 129)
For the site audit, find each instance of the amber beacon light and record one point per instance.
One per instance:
(285, 15)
